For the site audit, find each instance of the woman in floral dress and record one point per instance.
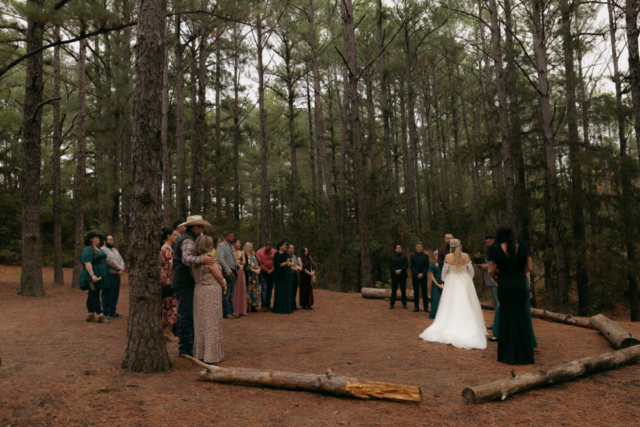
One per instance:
(252, 270)
(169, 300)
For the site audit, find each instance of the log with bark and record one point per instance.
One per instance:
(375, 293)
(614, 333)
(562, 373)
(330, 383)
(554, 317)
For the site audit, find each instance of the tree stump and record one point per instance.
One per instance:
(614, 333)
(330, 383)
(569, 371)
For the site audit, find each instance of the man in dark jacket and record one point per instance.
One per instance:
(443, 251)
(398, 264)
(419, 270)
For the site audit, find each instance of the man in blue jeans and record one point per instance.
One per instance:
(116, 268)
(266, 277)
(182, 281)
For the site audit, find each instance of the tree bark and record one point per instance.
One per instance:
(146, 351)
(58, 273)
(164, 130)
(198, 139)
(631, 16)
(551, 179)
(218, 132)
(356, 133)
(558, 374)
(330, 383)
(181, 191)
(265, 203)
(413, 134)
(236, 125)
(78, 184)
(291, 98)
(31, 284)
(507, 159)
(613, 332)
(577, 196)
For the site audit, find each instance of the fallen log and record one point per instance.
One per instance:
(376, 293)
(561, 318)
(613, 332)
(569, 371)
(330, 383)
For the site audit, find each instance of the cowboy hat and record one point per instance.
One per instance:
(195, 220)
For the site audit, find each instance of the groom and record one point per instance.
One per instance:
(398, 264)
(443, 251)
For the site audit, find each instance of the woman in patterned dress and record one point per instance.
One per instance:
(240, 295)
(252, 270)
(207, 306)
(169, 300)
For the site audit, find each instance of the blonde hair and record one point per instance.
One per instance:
(203, 245)
(246, 248)
(456, 250)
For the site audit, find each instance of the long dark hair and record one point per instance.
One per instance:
(166, 232)
(505, 234)
(304, 257)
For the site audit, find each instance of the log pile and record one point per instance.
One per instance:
(569, 371)
(330, 383)
(614, 333)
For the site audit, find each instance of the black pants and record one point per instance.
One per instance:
(294, 287)
(110, 296)
(93, 302)
(420, 285)
(395, 282)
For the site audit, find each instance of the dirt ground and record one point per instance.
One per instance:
(57, 369)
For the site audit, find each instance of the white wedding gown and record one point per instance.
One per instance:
(459, 319)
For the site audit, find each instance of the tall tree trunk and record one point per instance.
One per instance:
(236, 125)
(322, 148)
(551, 178)
(507, 160)
(164, 132)
(413, 134)
(356, 133)
(78, 184)
(127, 137)
(218, 133)
(384, 106)
(291, 98)
(31, 284)
(181, 191)
(577, 196)
(265, 225)
(406, 155)
(198, 140)
(312, 157)
(146, 350)
(58, 273)
(626, 164)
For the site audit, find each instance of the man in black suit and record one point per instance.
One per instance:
(419, 270)
(398, 264)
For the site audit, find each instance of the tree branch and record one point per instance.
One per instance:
(42, 104)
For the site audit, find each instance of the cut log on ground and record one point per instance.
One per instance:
(614, 333)
(330, 383)
(561, 318)
(569, 371)
(376, 293)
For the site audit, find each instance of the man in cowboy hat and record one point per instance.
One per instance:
(182, 280)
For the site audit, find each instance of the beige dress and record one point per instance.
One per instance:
(207, 316)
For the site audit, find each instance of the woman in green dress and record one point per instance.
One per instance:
(433, 279)
(283, 293)
(94, 276)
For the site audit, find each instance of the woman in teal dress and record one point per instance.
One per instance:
(94, 276)
(433, 279)
(283, 292)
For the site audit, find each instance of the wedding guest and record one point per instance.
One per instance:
(509, 264)
(116, 268)
(227, 259)
(240, 295)
(419, 270)
(94, 277)
(307, 279)
(267, 277)
(282, 302)
(216, 242)
(182, 280)
(433, 277)
(179, 228)
(398, 264)
(207, 306)
(295, 269)
(252, 271)
(445, 250)
(169, 300)
(492, 287)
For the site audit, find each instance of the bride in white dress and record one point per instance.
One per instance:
(459, 321)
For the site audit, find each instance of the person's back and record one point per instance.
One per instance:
(182, 277)
(504, 261)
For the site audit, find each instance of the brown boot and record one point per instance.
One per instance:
(91, 317)
(102, 319)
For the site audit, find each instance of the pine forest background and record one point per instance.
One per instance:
(341, 126)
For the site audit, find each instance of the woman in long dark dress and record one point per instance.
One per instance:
(509, 264)
(433, 279)
(283, 292)
(307, 275)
